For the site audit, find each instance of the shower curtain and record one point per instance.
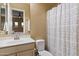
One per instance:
(62, 29)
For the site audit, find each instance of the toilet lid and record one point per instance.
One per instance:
(45, 53)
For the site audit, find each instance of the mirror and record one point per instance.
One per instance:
(17, 21)
(2, 17)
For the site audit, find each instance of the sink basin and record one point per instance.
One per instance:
(16, 41)
(20, 41)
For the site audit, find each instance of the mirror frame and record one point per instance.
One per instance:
(24, 28)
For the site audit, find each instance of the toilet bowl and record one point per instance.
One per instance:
(44, 53)
(40, 45)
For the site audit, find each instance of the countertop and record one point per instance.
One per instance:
(12, 42)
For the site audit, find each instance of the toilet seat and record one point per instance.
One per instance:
(45, 53)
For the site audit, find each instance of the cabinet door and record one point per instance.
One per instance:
(12, 55)
(26, 53)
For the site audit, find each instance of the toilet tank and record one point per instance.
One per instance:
(40, 44)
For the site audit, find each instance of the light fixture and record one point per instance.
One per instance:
(16, 23)
(22, 24)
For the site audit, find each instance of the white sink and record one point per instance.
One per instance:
(17, 41)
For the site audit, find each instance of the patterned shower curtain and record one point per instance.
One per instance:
(62, 29)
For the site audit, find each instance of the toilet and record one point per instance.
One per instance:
(40, 45)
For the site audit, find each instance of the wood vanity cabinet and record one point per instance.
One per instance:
(26, 53)
(29, 51)
(18, 50)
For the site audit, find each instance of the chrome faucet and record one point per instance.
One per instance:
(16, 37)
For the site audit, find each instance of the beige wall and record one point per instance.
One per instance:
(38, 19)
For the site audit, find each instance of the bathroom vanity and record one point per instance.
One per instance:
(21, 47)
(14, 20)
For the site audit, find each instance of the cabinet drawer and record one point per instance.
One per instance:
(25, 47)
(12, 55)
(8, 50)
(26, 53)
